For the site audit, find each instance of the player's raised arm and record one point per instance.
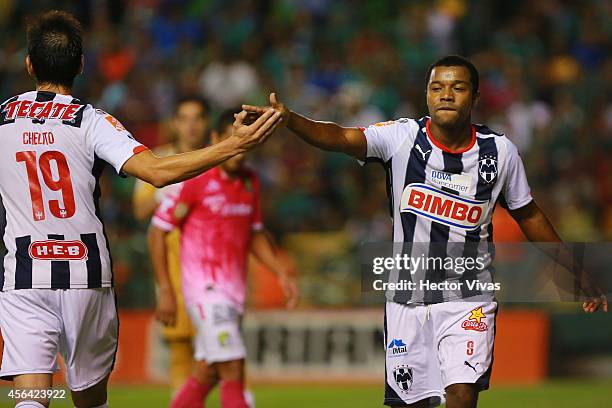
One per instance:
(161, 171)
(325, 135)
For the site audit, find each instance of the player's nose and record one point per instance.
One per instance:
(447, 95)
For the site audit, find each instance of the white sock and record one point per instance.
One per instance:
(29, 404)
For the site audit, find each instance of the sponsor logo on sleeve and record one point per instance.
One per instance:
(180, 211)
(387, 123)
(114, 123)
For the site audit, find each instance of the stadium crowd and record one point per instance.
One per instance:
(546, 82)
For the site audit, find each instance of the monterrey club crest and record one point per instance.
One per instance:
(403, 377)
(487, 168)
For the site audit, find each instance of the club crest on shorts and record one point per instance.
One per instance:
(487, 168)
(403, 377)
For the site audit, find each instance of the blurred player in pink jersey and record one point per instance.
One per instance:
(220, 219)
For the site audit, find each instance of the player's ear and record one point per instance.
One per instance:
(29, 67)
(475, 98)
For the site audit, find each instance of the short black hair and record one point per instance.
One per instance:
(225, 119)
(55, 47)
(456, 61)
(193, 99)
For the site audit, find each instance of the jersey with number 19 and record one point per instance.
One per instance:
(54, 148)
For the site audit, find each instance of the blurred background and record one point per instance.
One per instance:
(546, 82)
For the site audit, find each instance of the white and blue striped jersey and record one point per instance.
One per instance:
(446, 199)
(54, 148)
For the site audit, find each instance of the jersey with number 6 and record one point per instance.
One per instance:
(54, 148)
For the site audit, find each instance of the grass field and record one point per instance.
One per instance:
(557, 394)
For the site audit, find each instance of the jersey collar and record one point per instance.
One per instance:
(446, 149)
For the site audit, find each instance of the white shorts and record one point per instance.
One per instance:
(80, 324)
(218, 331)
(431, 347)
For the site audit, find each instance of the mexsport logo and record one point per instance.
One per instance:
(442, 207)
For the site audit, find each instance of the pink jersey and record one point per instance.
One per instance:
(216, 214)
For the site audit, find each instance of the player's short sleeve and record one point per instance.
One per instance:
(516, 191)
(257, 217)
(175, 206)
(385, 138)
(111, 141)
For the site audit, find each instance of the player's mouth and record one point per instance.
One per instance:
(447, 108)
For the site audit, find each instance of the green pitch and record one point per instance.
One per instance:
(557, 394)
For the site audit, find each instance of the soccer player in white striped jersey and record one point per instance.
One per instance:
(445, 174)
(56, 290)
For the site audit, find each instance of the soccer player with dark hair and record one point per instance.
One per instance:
(439, 344)
(190, 126)
(219, 216)
(56, 290)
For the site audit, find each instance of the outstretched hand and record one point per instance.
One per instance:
(256, 111)
(251, 135)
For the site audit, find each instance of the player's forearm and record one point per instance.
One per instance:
(324, 135)
(161, 171)
(538, 229)
(176, 168)
(536, 226)
(157, 252)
